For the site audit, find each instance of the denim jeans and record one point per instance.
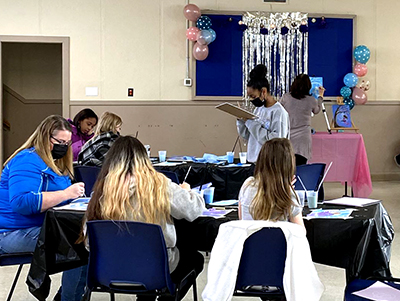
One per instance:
(22, 240)
(73, 284)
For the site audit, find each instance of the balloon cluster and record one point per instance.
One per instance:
(202, 34)
(351, 93)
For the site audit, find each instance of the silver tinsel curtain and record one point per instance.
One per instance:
(280, 42)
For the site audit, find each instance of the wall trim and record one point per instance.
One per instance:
(386, 177)
(210, 101)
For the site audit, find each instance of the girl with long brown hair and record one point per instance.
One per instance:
(269, 195)
(129, 188)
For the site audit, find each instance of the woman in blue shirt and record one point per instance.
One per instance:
(35, 177)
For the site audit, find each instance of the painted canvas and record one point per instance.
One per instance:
(316, 82)
(341, 116)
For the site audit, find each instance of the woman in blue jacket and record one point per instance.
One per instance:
(35, 177)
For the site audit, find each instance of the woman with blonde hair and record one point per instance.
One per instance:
(269, 195)
(129, 188)
(94, 151)
(36, 177)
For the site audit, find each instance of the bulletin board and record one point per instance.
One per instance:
(330, 56)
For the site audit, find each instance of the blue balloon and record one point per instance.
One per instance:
(203, 22)
(345, 92)
(362, 54)
(213, 34)
(350, 80)
(349, 102)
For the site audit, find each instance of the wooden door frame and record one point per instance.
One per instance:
(64, 41)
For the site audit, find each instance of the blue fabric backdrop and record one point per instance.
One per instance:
(330, 56)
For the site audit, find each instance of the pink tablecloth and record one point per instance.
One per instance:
(350, 162)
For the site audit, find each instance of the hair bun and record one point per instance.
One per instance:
(259, 72)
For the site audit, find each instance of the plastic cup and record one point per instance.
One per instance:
(312, 198)
(302, 195)
(162, 155)
(208, 195)
(147, 147)
(229, 156)
(243, 157)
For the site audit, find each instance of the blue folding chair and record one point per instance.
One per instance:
(262, 265)
(87, 175)
(171, 175)
(360, 284)
(15, 259)
(130, 258)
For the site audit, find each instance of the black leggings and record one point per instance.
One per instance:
(300, 160)
(188, 260)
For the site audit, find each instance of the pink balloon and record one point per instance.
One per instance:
(192, 12)
(360, 69)
(191, 33)
(200, 52)
(359, 96)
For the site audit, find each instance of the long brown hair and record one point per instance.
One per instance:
(128, 187)
(40, 140)
(273, 174)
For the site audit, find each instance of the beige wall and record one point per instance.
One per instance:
(184, 128)
(33, 70)
(141, 44)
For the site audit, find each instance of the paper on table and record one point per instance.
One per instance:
(379, 291)
(78, 206)
(225, 203)
(356, 202)
(330, 213)
(216, 213)
(166, 163)
(237, 165)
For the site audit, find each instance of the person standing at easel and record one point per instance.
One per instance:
(273, 120)
(300, 104)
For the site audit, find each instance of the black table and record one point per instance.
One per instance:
(226, 180)
(360, 245)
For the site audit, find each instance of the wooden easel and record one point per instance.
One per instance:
(337, 129)
(352, 128)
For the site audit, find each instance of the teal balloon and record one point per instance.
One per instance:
(203, 22)
(345, 92)
(349, 102)
(362, 54)
(213, 34)
(350, 80)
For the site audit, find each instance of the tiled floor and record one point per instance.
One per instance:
(333, 278)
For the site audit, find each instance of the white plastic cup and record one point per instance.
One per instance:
(243, 157)
(312, 199)
(208, 195)
(301, 195)
(229, 156)
(147, 147)
(162, 155)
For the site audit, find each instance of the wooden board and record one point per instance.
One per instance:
(235, 111)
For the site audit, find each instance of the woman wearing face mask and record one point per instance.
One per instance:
(272, 121)
(35, 178)
(82, 130)
(93, 153)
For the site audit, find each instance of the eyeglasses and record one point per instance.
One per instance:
(62, 142)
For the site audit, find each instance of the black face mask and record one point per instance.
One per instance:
(257, 102)
(59, 151)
